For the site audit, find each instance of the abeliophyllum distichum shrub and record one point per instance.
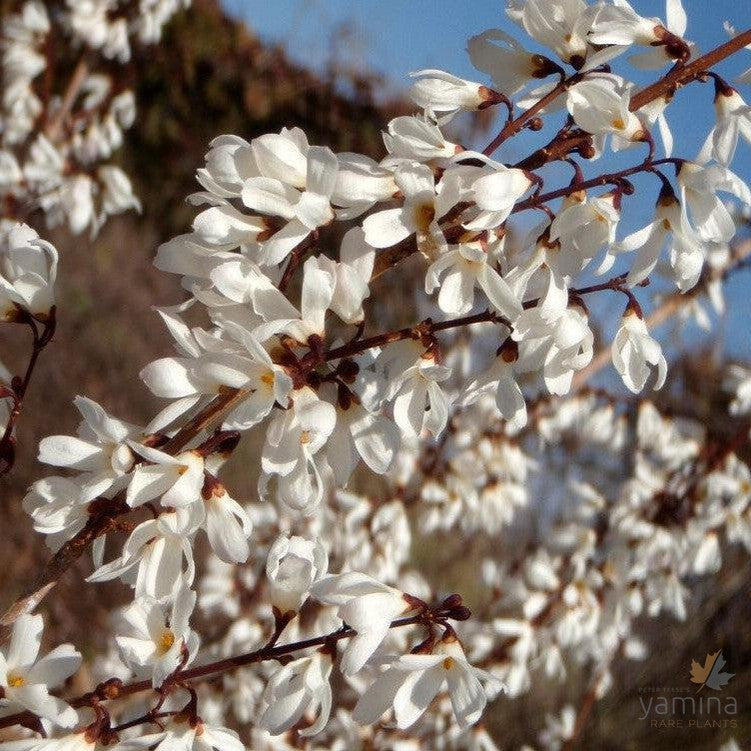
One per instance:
(330, 638)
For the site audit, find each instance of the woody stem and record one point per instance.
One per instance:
(112, 689)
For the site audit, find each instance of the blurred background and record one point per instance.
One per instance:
(339, 70)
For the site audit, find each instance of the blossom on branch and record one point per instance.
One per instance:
(26, 680)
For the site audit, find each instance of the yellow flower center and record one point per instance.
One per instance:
(424, 215)
(15, 680)
(166, 640)
(448, 663)
(305, 437)
(268, 378)
(618, 123)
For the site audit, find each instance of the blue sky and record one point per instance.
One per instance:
(394, 37)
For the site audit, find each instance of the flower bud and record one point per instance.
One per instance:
(293, 564)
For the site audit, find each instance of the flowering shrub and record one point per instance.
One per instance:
(326, 625)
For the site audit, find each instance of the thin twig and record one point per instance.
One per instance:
(113, 689)
(18, 387)
(77, 80)
(567, 143)
(664, 312)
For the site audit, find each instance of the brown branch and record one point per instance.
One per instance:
(428, 327)
(576, 141)
(77, 80)
(450, 608)
(585, 710)
(680, 75)
(609, 178)
(102, 522)
(296, 258)
(19, 385)
(512, 127)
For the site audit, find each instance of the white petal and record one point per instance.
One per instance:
(386, 228)
(68, 451)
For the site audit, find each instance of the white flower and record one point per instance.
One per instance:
(419, 402)
(707, 557)
(25, 681)
(268, 381)
(227, 524)
(56, 509)
(420, 213)
(558, 729)
(439, 93)
(411, 683)
(499, 377)
(305, 211)
(28, 267)
(117, 192)
(182, 734)
(733, 120)
(209, 364)
(415, 138)
(634, 350)
(559, 342)
(293, 565)
(509, 65)
(367, 606)
(495, 194)
(601, 107)
(293, 438)
(101, 450)
(738, 383)
(157, 637)
(178, 480)
(619, 24)
(676, 22)
(75, 201)
(699, 186)
(360, 183)
(351, 276)
(360, 434)
(559, 25)
(583, 226)
(153, 556)
(90, 22)
(229, 162)
(283, 156)
(298, 689)
(465, 266)
(671, 226)
(319, 282)
(224, 227)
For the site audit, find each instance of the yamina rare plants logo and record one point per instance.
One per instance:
(705, 704)
(710, 674)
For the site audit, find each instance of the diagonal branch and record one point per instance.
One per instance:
(101, 523)
(450, 608)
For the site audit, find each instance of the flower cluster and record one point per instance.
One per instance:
(53, 143)
(461, 413)
(60, 123)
